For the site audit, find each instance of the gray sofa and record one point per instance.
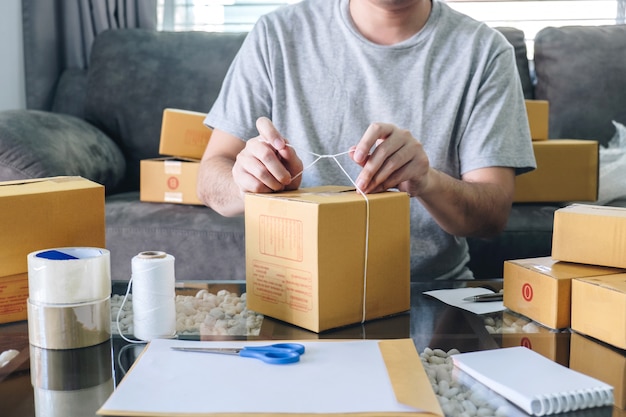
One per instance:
(104, 120)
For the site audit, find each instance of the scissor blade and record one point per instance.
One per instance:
(223, 351)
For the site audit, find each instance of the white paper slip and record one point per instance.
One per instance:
(454, 297)
(533, 382)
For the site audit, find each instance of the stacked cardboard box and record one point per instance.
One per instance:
(173, 179)
(567, 169)
(40, 214)
(589, 249)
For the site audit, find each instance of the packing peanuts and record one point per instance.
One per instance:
(307, 262)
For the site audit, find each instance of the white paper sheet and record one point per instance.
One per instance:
(331, 377)
(454, 297)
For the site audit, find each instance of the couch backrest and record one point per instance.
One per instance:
(581, 71)
(135, 74)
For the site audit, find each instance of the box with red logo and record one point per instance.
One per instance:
(173, 178)
(169, 180)
(540, 288)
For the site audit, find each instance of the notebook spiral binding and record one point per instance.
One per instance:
(571, 401)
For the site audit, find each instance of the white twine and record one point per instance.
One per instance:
(154, 297)
(367, 211)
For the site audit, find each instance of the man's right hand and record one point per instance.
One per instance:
(267, 163)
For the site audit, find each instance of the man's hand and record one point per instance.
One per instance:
(397, 160)
(266, 163)
(478, 204)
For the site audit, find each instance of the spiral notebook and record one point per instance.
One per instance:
(533, 382)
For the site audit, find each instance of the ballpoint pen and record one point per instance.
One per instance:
(496, 296)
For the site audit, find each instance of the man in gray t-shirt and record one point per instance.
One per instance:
(418, 97)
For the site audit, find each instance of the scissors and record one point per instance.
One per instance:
(276, 354)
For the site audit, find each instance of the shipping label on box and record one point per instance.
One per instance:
(567, 170)
(590, 234)
(599, 308)
(313, 255)
(538, 112)
(602, 362)
(40, 214)
(183, 134)
(540, 288)
(169, 180)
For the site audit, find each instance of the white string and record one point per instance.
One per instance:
(117, 320)
(367, 211)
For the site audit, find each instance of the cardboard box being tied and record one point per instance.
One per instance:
(38, 214)
(307, 261)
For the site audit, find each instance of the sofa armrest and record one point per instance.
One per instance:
(37, 144)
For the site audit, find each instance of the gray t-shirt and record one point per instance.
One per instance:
(454, 85)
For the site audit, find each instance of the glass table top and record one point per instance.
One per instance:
(41, 382)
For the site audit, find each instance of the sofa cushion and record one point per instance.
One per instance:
(517, 38)
(37, 144)
(205, 245)
(581, 72)
(135, 74)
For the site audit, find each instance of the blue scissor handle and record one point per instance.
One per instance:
(278, 353)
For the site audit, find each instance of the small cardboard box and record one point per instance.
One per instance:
(307, 261)
(169, 180)
(590, 234)
(183, 134)
(599, 308)
(567, 170)
(540, 288)
(538, 112)
(39, 214)
(602, 362)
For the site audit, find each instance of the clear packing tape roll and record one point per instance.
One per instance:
(69, 275)
(69, 297)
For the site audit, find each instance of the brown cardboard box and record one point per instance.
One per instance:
(602, 362)
(306, 253)
(599, 308)
(169, 180)
(183, 134)
(540, 288)
(39, 214)
(590, 234)
(567, 170)
(538, 112)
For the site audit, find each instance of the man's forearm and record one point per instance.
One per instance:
(216, 188)
(469, 208)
